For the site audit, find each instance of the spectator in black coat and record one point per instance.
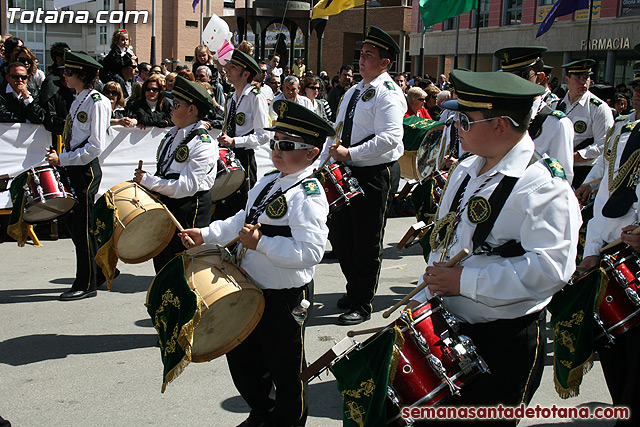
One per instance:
(55, 97)
(17, 105)
(115, 59)
(126, 75)
(151, 108)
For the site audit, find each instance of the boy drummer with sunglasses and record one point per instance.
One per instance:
(519, 217)
(280, 256)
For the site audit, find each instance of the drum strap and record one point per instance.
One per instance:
(621, 200)
(536, 124)
(584, 144)
(262, 201)
(161, 160)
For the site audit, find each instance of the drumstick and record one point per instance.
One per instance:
(338, 144)
(453, 261)
(178, 226)
(365, 331)
(591, 182)
(618, 241)
(140, 164)
(253, 228)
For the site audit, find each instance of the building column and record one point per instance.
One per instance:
(402, 42)
(441, 61)
(610, 70)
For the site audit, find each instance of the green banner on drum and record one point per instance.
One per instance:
(102, 228)
(573, 330)
(415, 129)
(175, 312)
(362, 380)
(17, 228)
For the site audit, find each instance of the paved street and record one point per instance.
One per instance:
(94, 362)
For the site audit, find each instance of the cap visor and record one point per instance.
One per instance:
(451, 104)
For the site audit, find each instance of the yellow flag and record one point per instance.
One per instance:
(333, 7)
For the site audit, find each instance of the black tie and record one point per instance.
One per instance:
(562, 107)
(231, 123)
(348, 120)
(161, 160)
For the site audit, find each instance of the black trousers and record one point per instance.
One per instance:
(514, 350)
(622, 372)
(237, 201)
(272, 356)
(356, 231)
(191, 212)
(85, 181)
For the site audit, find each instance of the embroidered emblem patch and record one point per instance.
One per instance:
(278, 208)
(311, 187)
(283, 109)
(255, 90)
(479, 210)
(580, 126)
(538, 132)
(82, 117)
(595, 101)
(205, 138)
(389, 85)
(182, 154)
(96, 97)
(240, 119)
(368, 94)
(628, 127)
(558, 114)
(555, 167)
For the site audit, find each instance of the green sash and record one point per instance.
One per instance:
(17, 228)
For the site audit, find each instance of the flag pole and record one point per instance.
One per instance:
(589, 27)
(475, 59)
(455, 58)
(364, 21)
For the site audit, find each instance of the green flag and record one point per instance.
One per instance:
(363, 379)
(18, 229)
(434, 11)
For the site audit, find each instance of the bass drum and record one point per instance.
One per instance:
(421, 140)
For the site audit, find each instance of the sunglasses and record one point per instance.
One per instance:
(284, 145)
(176, 105)
(19, 77)
(24, 60)
(422, 99)
(525, 74)
(133, 66)
(153, 89)
(465, 123)
(313, 87)
(68, 72)
(111, 92)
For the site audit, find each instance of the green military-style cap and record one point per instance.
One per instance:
(636, 74)
(548, 69)
(79, 61)
(296, 120)
(378, 38)
(491, 91)
(191, 92)
(245, 61)
(520, 57)
(579, 67)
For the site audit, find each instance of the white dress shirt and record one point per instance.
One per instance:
(255, 108)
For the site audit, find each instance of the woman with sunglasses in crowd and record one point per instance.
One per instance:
(416, 98)
(113, 92)
(84, 139)
(151, 108)
(24, 55)
(313, 88)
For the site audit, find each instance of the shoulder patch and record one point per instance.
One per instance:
(596, 101)
(628, 127)
(311, 186)
(205, 137)
(96, 97)
(621, 118)
(255, 90)
(182, 153)
(271, 172)
(449, 121)
(559, 114)
(389, 85)
(554, 167)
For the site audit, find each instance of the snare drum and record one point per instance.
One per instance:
(229, 177)
(231, 306)
(46, 196)
(339, 186)
(143, 227)
(620, 307)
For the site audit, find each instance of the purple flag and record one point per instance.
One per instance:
(194, 4)
(561, 8)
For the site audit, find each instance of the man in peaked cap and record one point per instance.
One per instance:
(369, 140)
(520, 220)
(187, 160)
(246, 117)
(551, 130)
(280, 256)
(84, 138)
(549, 97)
(591, 117)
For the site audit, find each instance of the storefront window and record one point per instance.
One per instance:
(512, 12)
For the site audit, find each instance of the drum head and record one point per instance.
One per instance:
(48, 210)
(427, 159)
(145, 236)
(227, 184)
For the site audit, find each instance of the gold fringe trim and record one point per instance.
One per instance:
(604, 282)
(574, 381)
(185, 338)
(398, 345)
(20, 230)
(106, 257)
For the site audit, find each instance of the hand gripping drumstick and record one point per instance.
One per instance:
(253, 228)
(453, 261)
(178, 226)
(618, 241)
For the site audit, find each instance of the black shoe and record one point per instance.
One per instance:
(353, 317)
(102, 280)
(344, 303)
(252, 422)
(329, 255)
(76, 295)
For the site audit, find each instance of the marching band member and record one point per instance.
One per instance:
(186, 166)
(84, 137)
(246, 117)
(369, 129)
(551, 130)
(281, 257)
(520, 219)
